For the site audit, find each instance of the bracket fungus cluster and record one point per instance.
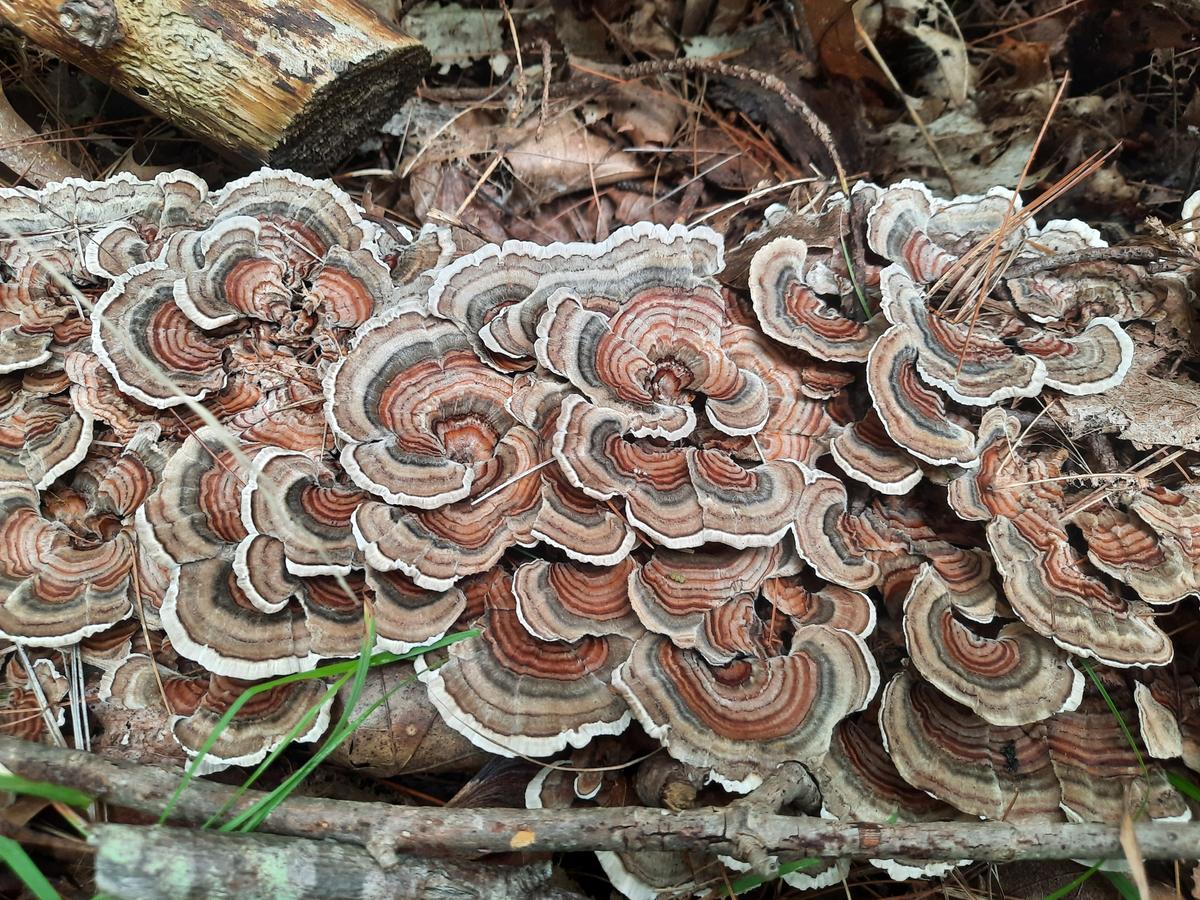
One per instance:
(801, 518)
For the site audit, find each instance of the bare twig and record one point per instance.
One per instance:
(1088, 254)
(144, 863)
(385, 830)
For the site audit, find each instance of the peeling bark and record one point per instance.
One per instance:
(292, 82)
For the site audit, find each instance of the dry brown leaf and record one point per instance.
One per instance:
(831, 23)
(567, 158)
(1133, 856)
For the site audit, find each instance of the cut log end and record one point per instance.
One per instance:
(325, 132)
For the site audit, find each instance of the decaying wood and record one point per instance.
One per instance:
(139, 863)
(384, 830)
(26, 152)
(291, 82)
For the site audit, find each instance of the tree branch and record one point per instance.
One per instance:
(385, 829)
(142, 863)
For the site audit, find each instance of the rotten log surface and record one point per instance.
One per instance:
(385, 829)
(290, 82)
(142, 863)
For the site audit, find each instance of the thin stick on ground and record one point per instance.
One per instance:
(386, 830)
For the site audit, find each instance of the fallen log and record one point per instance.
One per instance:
(291, 82)
(140, 863)
(384, 830)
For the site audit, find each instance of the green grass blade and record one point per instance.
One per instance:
(1185, 786)
(256, 815)
(298, 729)
(14, 784)
(332, 669)
(749, 882)
(1124, 886)
(26, 869)
(1075, 884)
(858, 291)
(1112, 707)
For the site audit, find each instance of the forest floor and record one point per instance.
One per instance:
(561, 121)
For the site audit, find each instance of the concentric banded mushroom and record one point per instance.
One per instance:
(998, 772)
(681, 497)
(499, 293)
(859, 783)
(421, 417)
(864, 451)
(510, 693)
(41, 439)
(57, 586)
(791, 310)
(264, 578)
(651, 357)
(908, 225)
(569, 601)
(685, 597)
(743, 720)
(197, 703)
(1016, 678)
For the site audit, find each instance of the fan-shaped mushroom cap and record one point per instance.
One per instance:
(651, 357)
(437, 547)
(1168, 707)
(1131, 551)
(681, 497)
(302, 217)
(998, 772)
(510, 693)
(859, 783)
(791, 311)
(247, 604)
(569, 601)
(1104, 779)
(295, 501)
(914, 415)
(198, 703)
(1189, 215)
(87, 208)
(585, 529)
(41, 439)
(908, 225)
(350, 286)
(1049, 587)
(233, 277)
(864, 451)
(684, 596)
(422, 418)
(54, 587)
(1157, 724)
(1016, 678)
(798, 391)
(824, 538)
(500, 292)
(967, 361)
(407, 616)
(1091, 362)
(745, 719)
(832, 606)
(142, 337)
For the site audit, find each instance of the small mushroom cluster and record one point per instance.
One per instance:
(725, 503)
